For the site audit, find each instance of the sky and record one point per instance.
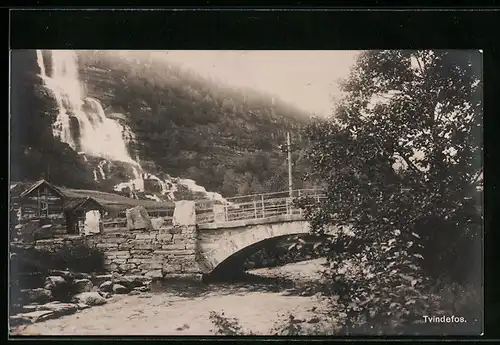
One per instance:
(306, 79)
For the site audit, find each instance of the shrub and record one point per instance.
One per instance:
(78, 257)
(224, 325)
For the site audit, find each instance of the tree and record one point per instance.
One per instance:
(400, 158)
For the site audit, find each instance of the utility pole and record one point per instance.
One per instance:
(289, 149)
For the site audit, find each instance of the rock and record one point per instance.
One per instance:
(82, 306)
(128, 281)
(37, 316)
(184, 213)
(82, 276)
(55, 282)
(157, 222)
(141, 289)
(82, 285)
(106, 286)
(138, 218)
(59, 308)
(67, 275)
(134, 292)
(99, 279)
(30, 307)
(37, 295)
(313, 320)
(135, 281)
(18, 319)
(120, 289)
(154, 274)
(89, 298)
(106, 295)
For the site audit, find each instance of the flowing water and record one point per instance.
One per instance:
(82, 123)
(260, 303)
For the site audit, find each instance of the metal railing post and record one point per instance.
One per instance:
(263, 207)
(255, 209)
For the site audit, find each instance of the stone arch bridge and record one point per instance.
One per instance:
(198, 241)
(248, 222)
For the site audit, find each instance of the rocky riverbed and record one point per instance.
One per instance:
(265, 298)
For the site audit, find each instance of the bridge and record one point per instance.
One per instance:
(245, 223)
(200, 238)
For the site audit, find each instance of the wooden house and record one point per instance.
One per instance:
(47, 204)
(42, 200)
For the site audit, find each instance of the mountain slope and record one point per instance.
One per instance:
(186, 126)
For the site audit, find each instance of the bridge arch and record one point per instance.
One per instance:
(218, 242)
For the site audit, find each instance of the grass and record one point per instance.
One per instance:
(121, 202)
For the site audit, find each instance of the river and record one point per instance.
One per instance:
(266, 297)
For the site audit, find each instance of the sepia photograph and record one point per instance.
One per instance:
(246, 192)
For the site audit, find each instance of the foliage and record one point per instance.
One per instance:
(76, 257)
(224, 325)
(225, 139)
(400, 159)
(280, 255)
(291, 326)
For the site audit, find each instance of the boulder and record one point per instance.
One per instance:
(82, 285)
(82, 306)
(314, 319)
(34, 316)
(154, 274)
(135, 281)
(138, 218)
(157, 222)
(184, 213)
(141, 289)
(82, 275)
(134, 292)
(120, 289)
(105, 295)
(29, 308)
(59, 308)
(89, 298)
(37, 295)
(67, 275)
(55, 282)
(106, 286)
(99, 279)
(129, 281)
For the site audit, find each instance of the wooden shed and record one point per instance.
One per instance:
(83, 215)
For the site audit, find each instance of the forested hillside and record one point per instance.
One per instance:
(187, 126)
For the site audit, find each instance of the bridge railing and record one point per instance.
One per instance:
(259, 206)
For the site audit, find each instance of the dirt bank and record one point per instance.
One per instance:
(175, 313)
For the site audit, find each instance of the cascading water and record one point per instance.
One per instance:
(97, 135)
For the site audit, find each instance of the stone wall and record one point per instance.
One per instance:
(167, 252)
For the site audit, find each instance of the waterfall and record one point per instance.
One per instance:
(101, 168)
(96, 134)
(191, 185)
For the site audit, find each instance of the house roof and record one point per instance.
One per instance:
(38, 185)
(17, 188)
(74, 204)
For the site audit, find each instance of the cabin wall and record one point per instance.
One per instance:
(43, 203)
(46, 205)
